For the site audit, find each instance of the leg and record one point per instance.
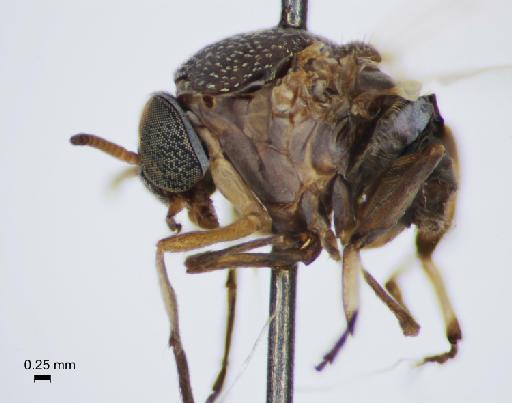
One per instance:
(316, 222)
(351, 268)
(252, 260)
(407, 322)
(425, 246)
(342, 210)
(350, 278)
(242, 227)
(219, 381)
(182, 242)
(231, 257)
(386, 205)
(305, 248)
(171, 305)
(433, 215)
(394, 193)
(394, 290)
(189, 241)
(382, 216)
(392, 283)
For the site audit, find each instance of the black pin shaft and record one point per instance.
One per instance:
(294, 14)
(283, 283)
(281, 337)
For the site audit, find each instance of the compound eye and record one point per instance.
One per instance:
(172, 156)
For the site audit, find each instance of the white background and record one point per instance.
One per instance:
(77, 277)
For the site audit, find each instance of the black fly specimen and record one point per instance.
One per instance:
(315, 147)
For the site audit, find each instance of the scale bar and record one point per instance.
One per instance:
(42, 378)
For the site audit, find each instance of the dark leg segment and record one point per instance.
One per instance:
(395, 192)
(232, 291)
(216, 260)
(433, 215)
(425, 247)
(331, 355)
(171, 305)
(350, 280)
(242, 227)
(392, 283)
(387, 203)
(282, 259)
(231, 257)
(409, 326)
(316, 222)
(351, 269)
